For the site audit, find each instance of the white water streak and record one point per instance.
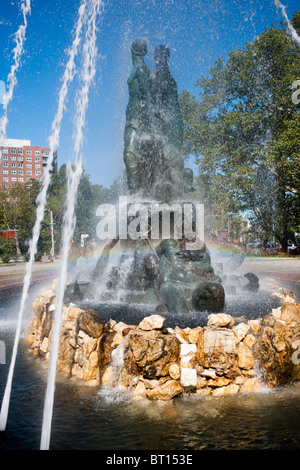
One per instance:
(41, 203)
(20, 37)
(291, 28)
(74, 173)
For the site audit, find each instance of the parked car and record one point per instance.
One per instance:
(291, 246)
(295, 250)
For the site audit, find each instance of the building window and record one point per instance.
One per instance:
(37, 152)
(5, 157)
(20, 159)
(38, 165)
(5, 164)
(13, 172)
(20, 178)
(37, 159)
(13, 164)
(4, 150)
(28, 172)
(20, 151)
(46, 153)
(6, 186)
(5, 178)
(13, 158)
(28, 165)
(28, 159)
(37, 172)
(20, 165)
(12, 150)
(28, 152)
(14, 178)
(13, 185)
(20, 172)
(5, 172)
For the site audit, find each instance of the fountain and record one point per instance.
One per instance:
(171, 269)
(163, 264)
(164, 261)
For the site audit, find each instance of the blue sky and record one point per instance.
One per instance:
(197, 33)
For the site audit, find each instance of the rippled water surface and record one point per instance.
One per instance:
(112, 420)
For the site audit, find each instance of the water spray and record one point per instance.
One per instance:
(20, 37)
(41, 203)
(74, 173)
(291, 28)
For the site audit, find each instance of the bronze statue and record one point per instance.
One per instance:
(136, 148)
(154, 129)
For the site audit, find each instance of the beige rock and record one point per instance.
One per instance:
(120, 327)
(151, 352)
(91, 323)
(140, 389)
(255, 325)
(210, 373)
(220, 319)
(118, 338)
(245, 356)
(77, 371)
(91, 368)
(276, 312)
(188, 354)
(91, 346)
(274, 349)
(108, 375)
(230, 389)
(218, 341)
(181, 335)
(165, 391)
(249, 340)
(45, 345)
(203, 391)
(218, 382)
(251, 385)
(240, 331)
(249, 372)
(47, 295)
(152, 322)
(239, 380)
(201, 382)
(174, 371)
(151, 383)
(72, 312)
(188, 377)
(193, 335)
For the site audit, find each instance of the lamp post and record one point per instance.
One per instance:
(52, 235)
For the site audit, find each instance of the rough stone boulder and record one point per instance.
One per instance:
(91, 323)
(227, 356)
(165, 391)
(217, 348)
(150, 353)
(277, 350)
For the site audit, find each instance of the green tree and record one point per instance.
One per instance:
(18, 212)
(88, 198)
(243, 131)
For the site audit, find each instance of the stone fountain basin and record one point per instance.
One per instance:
(221, 354)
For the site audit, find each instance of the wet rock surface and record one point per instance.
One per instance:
(225, 356)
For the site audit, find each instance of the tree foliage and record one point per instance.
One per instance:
(18, 212)
(244, 133)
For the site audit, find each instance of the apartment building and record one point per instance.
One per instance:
(21, 162)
